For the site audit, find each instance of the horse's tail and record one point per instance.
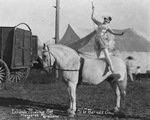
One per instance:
(80, 71)
(128, 73)
(126, 76)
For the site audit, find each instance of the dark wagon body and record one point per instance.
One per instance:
(34, 46)
(16, 52)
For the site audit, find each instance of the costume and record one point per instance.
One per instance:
(103, 39)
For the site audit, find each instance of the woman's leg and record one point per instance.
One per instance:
(108, 59)
(98, 52)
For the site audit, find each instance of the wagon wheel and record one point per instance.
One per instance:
(19, 75)
(4, 72)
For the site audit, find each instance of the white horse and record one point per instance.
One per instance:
(76, 69)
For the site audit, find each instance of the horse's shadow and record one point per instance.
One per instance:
(23, 104)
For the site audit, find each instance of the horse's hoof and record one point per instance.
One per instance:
(71, 115)
(69, 110)
(116, 109)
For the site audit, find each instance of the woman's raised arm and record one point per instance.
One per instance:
(92, 17)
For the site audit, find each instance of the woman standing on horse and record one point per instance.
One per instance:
(102, 37)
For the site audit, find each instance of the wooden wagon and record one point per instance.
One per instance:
(16, 53)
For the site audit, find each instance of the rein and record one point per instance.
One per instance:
(62, 69)
(52, 66)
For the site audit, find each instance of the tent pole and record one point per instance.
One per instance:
(57, 30)
(57, 22)
(147, 60)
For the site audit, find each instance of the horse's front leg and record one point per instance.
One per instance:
(117, 93)
(120, 93)
(72, 96)
(70, 101)
(122, 89)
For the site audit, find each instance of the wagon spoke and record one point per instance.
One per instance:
(17, 78)
(4, 71)
(18, 75)
(1, 69)
(2, 75)
(1, 78)
(12, 77)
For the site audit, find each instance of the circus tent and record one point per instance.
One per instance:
(132, 43)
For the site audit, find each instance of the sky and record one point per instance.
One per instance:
(40, 15)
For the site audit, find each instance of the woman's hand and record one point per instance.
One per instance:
(122, 33)
(92, 6)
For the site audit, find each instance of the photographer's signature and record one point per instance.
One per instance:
(29, 113)
(48, 113)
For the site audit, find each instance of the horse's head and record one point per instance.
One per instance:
(48, 59)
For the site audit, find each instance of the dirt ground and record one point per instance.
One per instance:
(40, 98)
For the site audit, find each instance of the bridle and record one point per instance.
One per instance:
(54, 66)
(50, 66)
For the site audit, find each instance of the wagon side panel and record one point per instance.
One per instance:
(1, 46)
(6, 42)
(21, 49)
(34, 47)
(27, 50)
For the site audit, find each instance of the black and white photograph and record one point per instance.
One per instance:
(74, 60)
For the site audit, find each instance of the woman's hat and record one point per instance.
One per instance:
(107, 19)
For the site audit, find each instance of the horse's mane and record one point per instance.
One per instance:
(65, 48)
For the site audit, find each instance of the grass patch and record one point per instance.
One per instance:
(43, 90)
